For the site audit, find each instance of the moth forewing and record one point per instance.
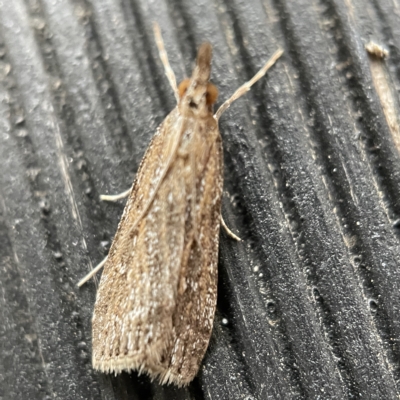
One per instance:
(197, 288)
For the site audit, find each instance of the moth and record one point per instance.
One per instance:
(156, 301)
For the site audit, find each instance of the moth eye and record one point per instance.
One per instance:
(192, 104)
(183, 86)
(212, 94)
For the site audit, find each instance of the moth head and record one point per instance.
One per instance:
(197, 94)
(211, 94)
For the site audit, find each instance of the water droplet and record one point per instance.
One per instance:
(373, 305)
(44, 206)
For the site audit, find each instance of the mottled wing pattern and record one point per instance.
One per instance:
(126, 278)
(157, 295)
(197, 291)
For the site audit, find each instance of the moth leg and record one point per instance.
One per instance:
(246, 86)
(92, 272)
(164, 59)
(228, 231)
(115, 197)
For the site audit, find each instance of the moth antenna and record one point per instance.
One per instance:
(164, 59)
(92, 272)
(164, 171)
(246, 86)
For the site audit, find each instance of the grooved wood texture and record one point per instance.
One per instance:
(309, 301)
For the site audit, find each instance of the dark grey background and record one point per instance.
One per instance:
(312, 184)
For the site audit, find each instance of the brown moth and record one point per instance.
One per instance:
(156, 301)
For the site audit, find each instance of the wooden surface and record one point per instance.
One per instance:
(309, 301)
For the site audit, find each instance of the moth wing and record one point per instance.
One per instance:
(156, 301)
(130, 319)
(197, 293)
